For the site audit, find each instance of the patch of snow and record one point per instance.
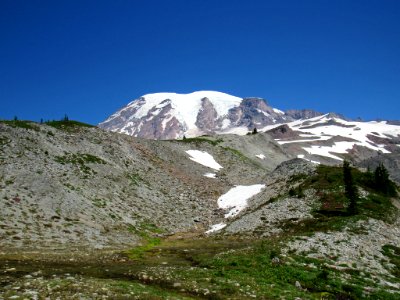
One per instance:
(165, 121)
(269, 127)
(235, 130)
(216, 227)
(204, 159)
(260, 156)
(338, 147)
(210, 175)
(163, 104)
(319, 138)
(236, 198)
(312, 161)
(263, 112)
(278, 111)
(225, 123)
(156, 112)
(306, 135)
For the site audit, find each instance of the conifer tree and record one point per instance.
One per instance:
(382, 182)
(350, 188)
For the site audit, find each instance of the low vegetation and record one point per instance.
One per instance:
(80, 160)
(67, 125)
(197, 140)
(146, 231)
(22, 124)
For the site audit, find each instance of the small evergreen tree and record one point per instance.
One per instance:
(65, 118)
(382, 182)
(255, 131)
(350, 189)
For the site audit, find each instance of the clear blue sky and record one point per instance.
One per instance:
(89, 58)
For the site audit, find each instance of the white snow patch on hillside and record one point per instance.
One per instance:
(236, 198)
(225, 123)
(269, 127)
(312, 161)
(319, 138)
(263, 112)
(278, 111)
(165, 121)
(235, 130)
(260, 156)
(204, 159)
(216, 227)
(210, 175)
(338, 147)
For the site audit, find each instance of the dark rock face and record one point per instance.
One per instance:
(330, 122)
(207, 116)
(297, 114)
(157, 124)
(282, 132)
(394, 122)
(255, 113)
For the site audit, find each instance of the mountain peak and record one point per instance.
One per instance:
(172, 115)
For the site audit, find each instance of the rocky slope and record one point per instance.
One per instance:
(68, 190)
(82, 185)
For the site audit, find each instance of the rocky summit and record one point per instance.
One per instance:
(271, 213)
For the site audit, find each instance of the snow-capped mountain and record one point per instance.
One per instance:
(305, 134)
(171, 115)
(328, 138)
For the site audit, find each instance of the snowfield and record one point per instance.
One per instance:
(324, 128)
(204, 159)
(236, 198)
(210, 175)
(216, 227)
(186, 106)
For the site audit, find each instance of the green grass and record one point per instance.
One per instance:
(67, 125)
(135, 179)
(197, 140)
(236, 152)
(4, 141)
(80, 160)
(328, 182)
(393, 253)
(252, 270)
(145, 292)
(146, 231)
(101, 203)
